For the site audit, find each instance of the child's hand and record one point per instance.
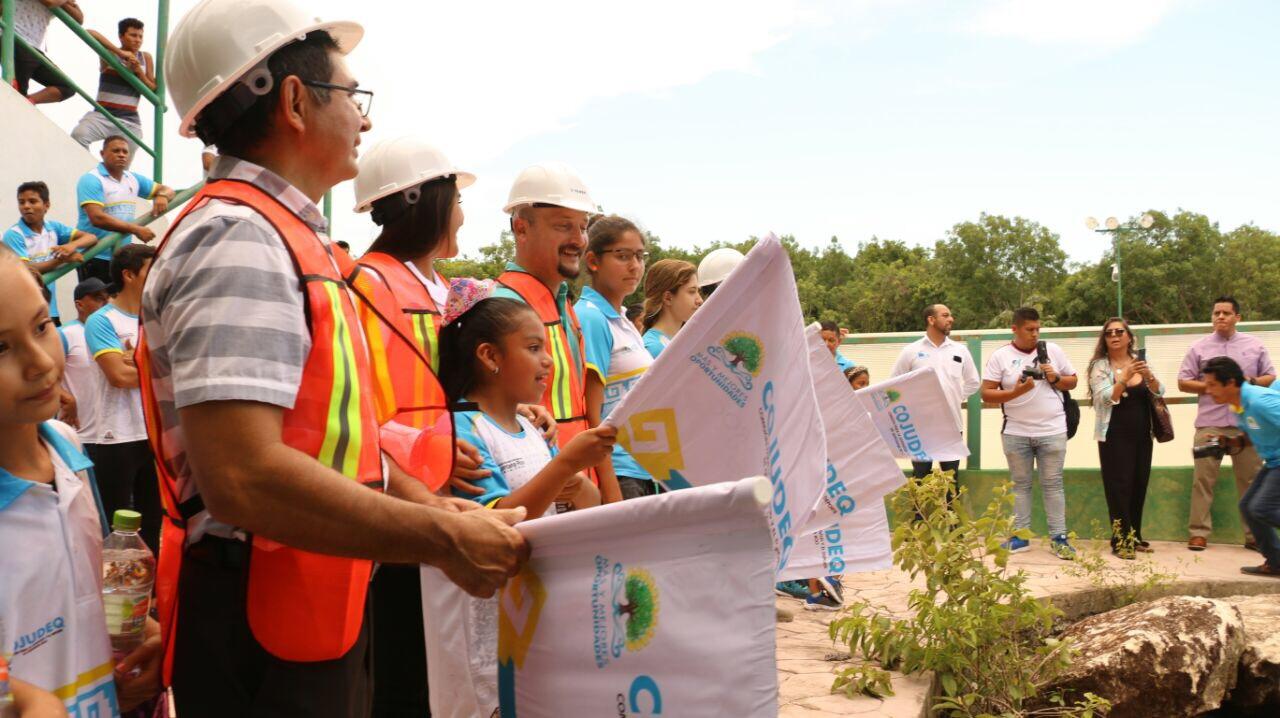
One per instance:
(591, 447)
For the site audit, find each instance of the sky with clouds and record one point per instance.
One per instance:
(712, 120)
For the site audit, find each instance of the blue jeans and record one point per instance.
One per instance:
(1260, 507)
(1048, 453)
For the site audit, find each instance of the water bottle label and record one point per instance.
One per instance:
(6, 698)
(126, 615)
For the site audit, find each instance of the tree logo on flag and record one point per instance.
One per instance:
(639, 608)
(624, 610)
(885, 398)
(742, 353)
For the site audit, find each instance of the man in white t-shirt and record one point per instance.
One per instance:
(122, 458)
(1029, 386)
(81, 376)
(954, 367)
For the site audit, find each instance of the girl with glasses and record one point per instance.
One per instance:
(616, 354)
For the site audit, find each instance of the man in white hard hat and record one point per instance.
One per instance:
(549, 207)
(715, 268)
(259, 392)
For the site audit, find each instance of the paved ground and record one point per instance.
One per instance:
(805, 670)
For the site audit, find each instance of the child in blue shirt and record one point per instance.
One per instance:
(493, 357)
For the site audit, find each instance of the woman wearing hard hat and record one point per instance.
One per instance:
(413, 193)
(670, 298)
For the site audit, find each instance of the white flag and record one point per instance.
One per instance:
(850, 531)
(912, 414)
(638, 608)
(732, 396)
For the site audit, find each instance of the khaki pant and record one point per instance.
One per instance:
(1244, 465)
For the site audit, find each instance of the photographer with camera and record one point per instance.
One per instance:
(1212, 418)
(1258, 410)
(1028, 378)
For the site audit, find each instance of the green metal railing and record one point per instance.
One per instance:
(974, 405)
(113, 240)
(9, 40)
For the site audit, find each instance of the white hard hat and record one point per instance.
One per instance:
(716, 266)
(400, 165)
(550, 183)
(216, 44)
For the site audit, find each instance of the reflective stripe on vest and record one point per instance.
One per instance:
(566, 395)
(410, 397)
(334, 419)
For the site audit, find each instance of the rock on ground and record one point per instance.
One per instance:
(1257, 690)
(1176, 656)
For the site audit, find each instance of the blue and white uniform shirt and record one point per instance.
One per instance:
(616, 354)
(51, 592)
(512, 459)
(36, 246)
(117, 197)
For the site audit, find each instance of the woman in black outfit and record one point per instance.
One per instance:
(1120, 386)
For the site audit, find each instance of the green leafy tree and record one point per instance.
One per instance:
(997, 264)
(492, 262)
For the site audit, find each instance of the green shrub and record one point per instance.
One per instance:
(974, 622)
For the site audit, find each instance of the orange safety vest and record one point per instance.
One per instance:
(301, 606)
(566, 396)
(402, 325)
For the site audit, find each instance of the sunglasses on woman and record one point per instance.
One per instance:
(1115, 332)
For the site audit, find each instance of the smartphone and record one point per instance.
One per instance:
(1142, 354)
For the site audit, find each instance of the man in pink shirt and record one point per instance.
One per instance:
(1212, 418)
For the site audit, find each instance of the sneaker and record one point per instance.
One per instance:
(792, 589)
(1062, 548)
(1124, 552)
(833, 587)
(1197, 543)
(1016, 545)
(821, 602)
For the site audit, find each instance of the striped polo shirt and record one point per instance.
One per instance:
(117, 96)
(224, 313)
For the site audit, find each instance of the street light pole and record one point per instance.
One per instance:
(1115, 229)
(1115, 248)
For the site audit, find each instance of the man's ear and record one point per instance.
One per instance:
(294, 103)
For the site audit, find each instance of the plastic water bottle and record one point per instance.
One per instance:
(6, 696)
(128, 573)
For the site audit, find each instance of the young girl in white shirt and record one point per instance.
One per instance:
(51, 593)
(493, 357)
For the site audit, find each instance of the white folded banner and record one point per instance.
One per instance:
(850, 531)
(912, 415)
(639, 608)
(731, 396)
